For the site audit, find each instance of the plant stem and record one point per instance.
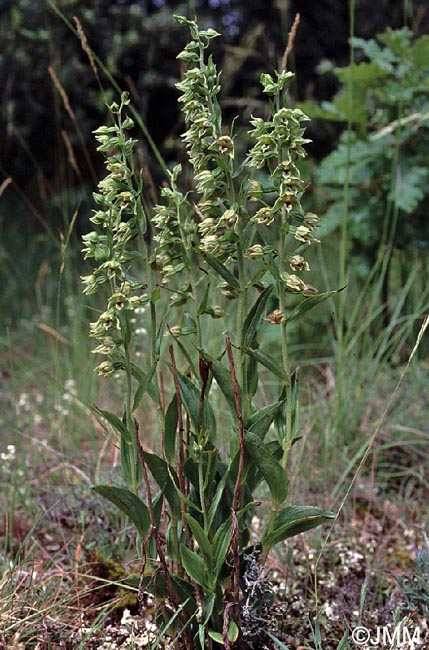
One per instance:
(344, 230)
(287, 441)
(241, 308)
(181, 451)
(238, 488)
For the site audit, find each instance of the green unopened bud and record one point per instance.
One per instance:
(228, 291)
(230, 218)
(125, 98)
(311, 220)
(105, 369)
(125, 197)
(210, 244)
(303, 234)
(206, 226)
(255, 252)
(295, 284)
(216, 311)
(175, 331)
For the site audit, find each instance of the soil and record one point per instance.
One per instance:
(363, 577)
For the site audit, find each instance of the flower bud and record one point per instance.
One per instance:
(216, 311)
(303, 234)
(276, 317)
(255, 252)
(206, 226)
(311, 220)
(295, 284)
(175, 331)
(105, 369)
(298, 263)
(230, 218)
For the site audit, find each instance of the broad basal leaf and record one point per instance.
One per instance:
(162, 475)
(293, 520)
(201, 538)
(129, 503)
(194, 567)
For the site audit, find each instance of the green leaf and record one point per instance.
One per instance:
(191, 398)
(203, 305)
(273, 473)
(194, 567)
(141, 377)
(420, 52)
(410, 187)
(129, 503)
(293, 520)
(208, 606)
(224, 381)
(143, 387)
(221, 542)
(162, 475)
(254, 317)
(216, 498)
(170, 432)
(221, 270)
(187, 356)
(191, 401)
(233, 632)
(268, 362)
(160, 334)
(216, 636)
(223, 378)
(259, 422)
(127, 459)
(309, 303)
(116, 423)
(251, 376)
(201, 538)
(254, 475)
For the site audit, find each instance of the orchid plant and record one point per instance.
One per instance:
(230, 249)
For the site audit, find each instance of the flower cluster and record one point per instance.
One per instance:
(121, 218)
(211, 152)
(175, 229)
(279, 144)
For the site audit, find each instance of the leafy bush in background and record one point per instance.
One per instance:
(385, 156)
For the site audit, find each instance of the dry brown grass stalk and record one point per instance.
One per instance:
(70, 153)
(85, 46)
(62, 92)
(291, 41)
